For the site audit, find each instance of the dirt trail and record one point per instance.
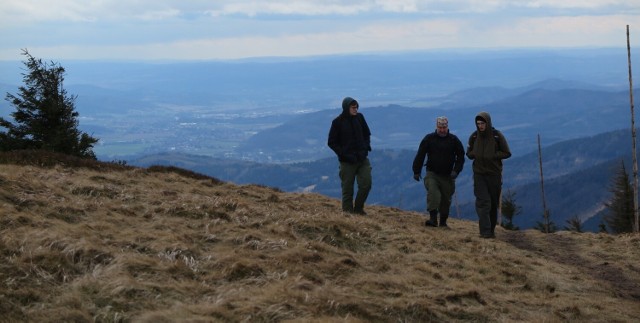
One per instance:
(563, 249)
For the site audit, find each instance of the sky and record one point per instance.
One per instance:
(220, 29)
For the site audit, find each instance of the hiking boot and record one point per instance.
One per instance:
(359, 212)
(430, 223)
(443, 221)
(433, 219)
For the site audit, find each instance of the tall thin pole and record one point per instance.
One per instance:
(633, 140)
(545, 213)
(457, 206)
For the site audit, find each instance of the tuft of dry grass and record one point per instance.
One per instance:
(116, 244)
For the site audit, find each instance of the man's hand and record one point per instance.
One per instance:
(416, 177)
(454, 174)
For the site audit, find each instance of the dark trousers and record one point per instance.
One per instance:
(487, 189)
(350, 174)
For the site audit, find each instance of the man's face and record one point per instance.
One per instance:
(442, 130)
(353, 109)
(481, 125)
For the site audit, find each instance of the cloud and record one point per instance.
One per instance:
(195, 29)
(392, 35)
(305, 8)
(30, 11)
(33, 11)
(570, 31)
(579, 4)
(313, 8)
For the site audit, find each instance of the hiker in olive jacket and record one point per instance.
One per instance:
(350, 139)
(487, 148)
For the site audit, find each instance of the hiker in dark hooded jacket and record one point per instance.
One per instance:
(487, 148)
(349, 138)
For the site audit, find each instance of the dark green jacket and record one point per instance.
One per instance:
(488, 148)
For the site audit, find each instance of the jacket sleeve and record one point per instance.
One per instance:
(459, 151)
(418, 161)
(472, 141)
(334, 138)
(366, 132)
(503, 151)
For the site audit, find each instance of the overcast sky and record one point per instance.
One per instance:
(219, 29)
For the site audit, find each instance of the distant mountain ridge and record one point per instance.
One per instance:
(488, 94)
(556, 115)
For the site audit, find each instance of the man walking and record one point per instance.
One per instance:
(487, 148)
(350, 139)
(445, 159)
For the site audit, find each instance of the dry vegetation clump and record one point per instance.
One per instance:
(46, 158)
(130, 244)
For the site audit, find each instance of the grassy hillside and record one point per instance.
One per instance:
(83, 241)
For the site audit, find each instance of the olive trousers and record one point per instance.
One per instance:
(440, 189)
(359, 173)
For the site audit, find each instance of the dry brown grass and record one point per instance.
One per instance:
(114, 244)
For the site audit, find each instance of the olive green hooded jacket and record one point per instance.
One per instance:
(488, 148)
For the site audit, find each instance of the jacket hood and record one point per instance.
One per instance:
(484, 116)
(346, 103)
